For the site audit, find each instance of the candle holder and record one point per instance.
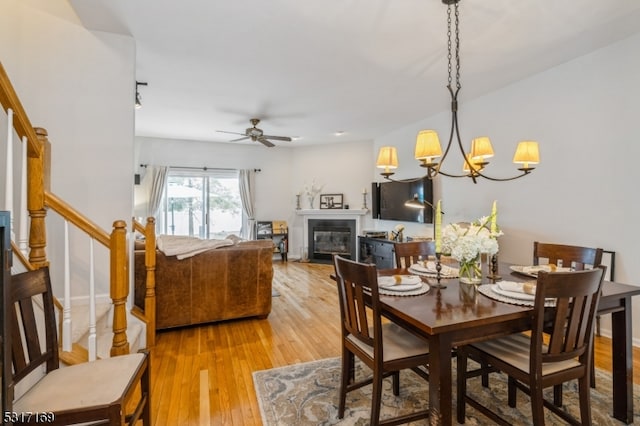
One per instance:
(438, 284)
(493, 269)
(297, 201)
(364, 201)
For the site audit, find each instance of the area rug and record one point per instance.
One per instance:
(307, 394)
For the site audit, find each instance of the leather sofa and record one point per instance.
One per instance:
(219, 284)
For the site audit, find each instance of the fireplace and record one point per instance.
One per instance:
(331, 236)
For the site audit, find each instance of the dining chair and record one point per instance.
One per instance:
(531, 364)
(575, 257)
(410, 252)
(384, 347)
(97, 391)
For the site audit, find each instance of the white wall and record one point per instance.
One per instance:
(584, 114)
(78, 85)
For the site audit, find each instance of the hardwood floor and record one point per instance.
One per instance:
(203, 375)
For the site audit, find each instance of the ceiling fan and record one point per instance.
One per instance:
(256, 134)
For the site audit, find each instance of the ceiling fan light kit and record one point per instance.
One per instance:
(257, 135)
(428, 148)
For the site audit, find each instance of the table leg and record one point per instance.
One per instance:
(440, 388)
(622, 358)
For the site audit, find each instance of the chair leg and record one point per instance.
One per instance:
(593, 366)
(376, 398)
(461, 386)
(557, 395)
(396, 383)
(537, 405)
(347, 372)
(585, 401)
(512, 391)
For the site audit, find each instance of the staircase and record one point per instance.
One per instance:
(90, 325)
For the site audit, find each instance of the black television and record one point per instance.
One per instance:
(389, 197)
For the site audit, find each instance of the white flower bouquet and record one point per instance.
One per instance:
(465, 243)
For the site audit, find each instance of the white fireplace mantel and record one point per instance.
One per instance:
(353, 214)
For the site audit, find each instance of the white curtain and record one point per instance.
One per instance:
(158, 176)
(247, 188)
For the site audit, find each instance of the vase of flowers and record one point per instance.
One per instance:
(312, 191)
(465, 243)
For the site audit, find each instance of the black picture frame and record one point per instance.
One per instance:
(331, 201)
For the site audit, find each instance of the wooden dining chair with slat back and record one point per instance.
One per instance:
(384, 347)
(530, 363)
(575, 257)
(92, 392)
(411, 252)
(567, 256)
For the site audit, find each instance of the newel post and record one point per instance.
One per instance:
(38, 180)
(150, 293)
(119, 287)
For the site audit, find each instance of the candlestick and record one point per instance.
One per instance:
(438, 230)
(438, 284)
(297, 201)
(494, 219)
(364, 200)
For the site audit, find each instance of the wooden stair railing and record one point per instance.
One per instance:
(149, 311)
(39, 198)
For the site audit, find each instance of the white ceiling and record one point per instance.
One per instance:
(314, 67)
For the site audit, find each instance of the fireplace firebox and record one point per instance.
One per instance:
(330, 236)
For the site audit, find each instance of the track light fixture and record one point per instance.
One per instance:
(428, 149)
(138, 96)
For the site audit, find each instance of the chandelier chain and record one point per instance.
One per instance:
(449, 42)
(457, 47)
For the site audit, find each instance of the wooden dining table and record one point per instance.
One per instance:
(459, 314)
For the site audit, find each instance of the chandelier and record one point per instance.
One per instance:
(428, 149)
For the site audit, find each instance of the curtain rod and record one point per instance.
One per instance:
(205, 168)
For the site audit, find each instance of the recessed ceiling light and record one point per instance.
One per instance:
(339, 133)
(296, 138)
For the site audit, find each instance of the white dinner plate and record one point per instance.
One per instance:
(512, 294)
(407, 283)
(520, 269)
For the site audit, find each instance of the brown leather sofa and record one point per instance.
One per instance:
(219, 284)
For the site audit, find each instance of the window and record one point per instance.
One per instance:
(203, 203)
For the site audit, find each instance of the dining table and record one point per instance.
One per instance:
(455, 314)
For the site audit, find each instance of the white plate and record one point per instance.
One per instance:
(520, 269)
(512, 294)
(446, 271)
(408, 283)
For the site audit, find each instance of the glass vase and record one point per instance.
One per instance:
(471, 271)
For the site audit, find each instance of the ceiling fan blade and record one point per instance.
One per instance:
(265, 142)
(240, 139)
(233, 133)
(278, 138)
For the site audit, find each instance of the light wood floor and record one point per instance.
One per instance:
(203, 375)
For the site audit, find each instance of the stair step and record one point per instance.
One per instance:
(77, 355)
(105, 339)
(80, 319)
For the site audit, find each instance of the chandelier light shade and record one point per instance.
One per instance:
(428, 150)
(428, 146)
(527, 153)
(387, 160)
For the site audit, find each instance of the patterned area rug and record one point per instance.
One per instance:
(307, 394)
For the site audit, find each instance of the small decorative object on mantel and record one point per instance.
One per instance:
(331, 201)
(398, 233)
(364, 199)
(466, 243)
(312, 191)
(298, 201)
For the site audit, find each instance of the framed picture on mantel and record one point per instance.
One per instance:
(331, 201)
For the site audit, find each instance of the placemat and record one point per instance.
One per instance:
(487, 290)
